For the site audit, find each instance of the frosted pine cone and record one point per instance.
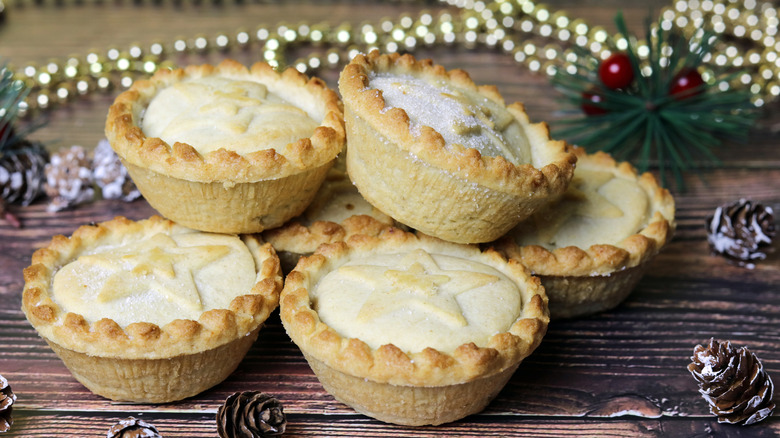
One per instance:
(132, 427)
(739, 231)
(7, 399)
(69, 178)
(733, 382)
(111, 176)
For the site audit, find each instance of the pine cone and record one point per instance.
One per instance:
(22, 172)
(740, 230)
(7, 399)
(251, 414)
(69, 178)
(111, 176)
(132, 427)
(733, 382)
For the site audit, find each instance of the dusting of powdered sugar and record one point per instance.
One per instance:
(453, 113)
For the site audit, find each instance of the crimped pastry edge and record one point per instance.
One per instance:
(494, 172)
(181, 160)
(296, 237)
(603, 259)
(388, 363)
(302, 239)
(142, 340)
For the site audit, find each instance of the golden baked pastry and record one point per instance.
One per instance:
(592, 246)
(411, 329)
(336, 213)
(227, 149)
(443, 156)
(150, 311)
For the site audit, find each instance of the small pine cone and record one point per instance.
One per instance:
(132, 427)
(69, 178)
(7, 399)
(111, 175)
(22, 172)
(733, 382)
(740, 230)
(251, 414)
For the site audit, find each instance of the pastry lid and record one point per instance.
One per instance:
(93, 260)
(623, 219)
(218, 163)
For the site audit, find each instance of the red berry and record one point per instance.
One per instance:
(590, 109)
(616, 71)
(685, 82)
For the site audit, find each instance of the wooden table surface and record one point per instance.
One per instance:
(619, 373)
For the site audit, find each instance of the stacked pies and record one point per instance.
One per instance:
(417, 258)
(426, 328)
(162, 309)
(337, 212)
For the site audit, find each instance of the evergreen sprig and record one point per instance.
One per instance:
(644, 123)
(12, 94)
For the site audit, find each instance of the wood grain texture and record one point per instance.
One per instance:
(49, 424)
(617, 374)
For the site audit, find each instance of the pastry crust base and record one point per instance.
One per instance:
(444, 190)
(571, 297)
(436, 377)
(426, 198)
(155, 380)
(410, 405)
(249, 207)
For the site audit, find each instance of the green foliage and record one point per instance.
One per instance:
(12, 93)
(643, 123)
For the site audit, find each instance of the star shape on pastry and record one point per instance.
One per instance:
(158, 265)
(583, 198)
(419, 284)
(591, 203)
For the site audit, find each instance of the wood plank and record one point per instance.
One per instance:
(39, 424)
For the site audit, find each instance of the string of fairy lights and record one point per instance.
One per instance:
(536, 37)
